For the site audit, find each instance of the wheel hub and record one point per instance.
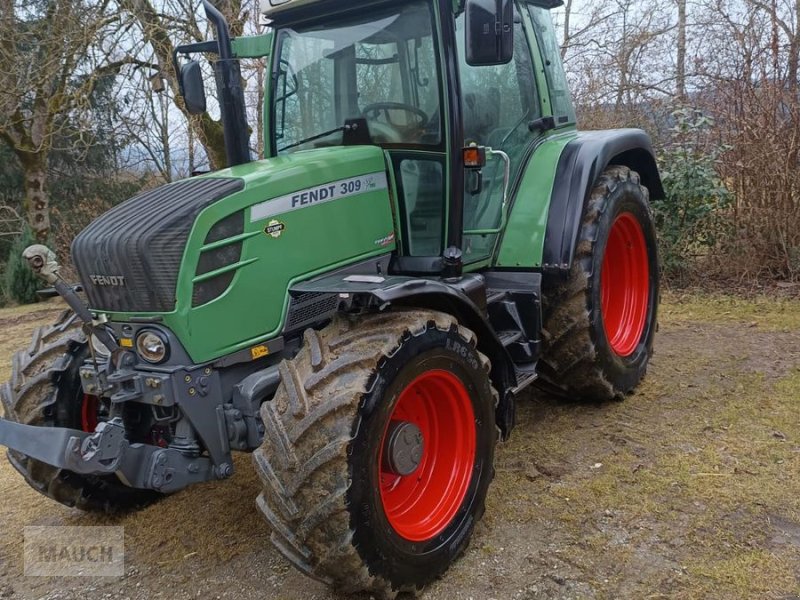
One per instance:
(404, 448)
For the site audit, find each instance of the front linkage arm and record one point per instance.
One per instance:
(107, 451)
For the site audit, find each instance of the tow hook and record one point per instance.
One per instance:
(100, 452)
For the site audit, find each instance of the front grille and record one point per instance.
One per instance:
(142, 240)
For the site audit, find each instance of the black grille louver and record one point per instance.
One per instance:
(143, 240)
(309, 308)
(206, 291)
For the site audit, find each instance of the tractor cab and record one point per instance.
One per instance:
(425, 80)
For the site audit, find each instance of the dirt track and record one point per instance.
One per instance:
(688, 489)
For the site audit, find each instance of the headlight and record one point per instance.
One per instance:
(99, 347)
(152, 347)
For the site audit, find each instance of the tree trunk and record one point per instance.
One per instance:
(794, 54)
(156, 32)
(681, 66)
(567, 32)
(36, 203)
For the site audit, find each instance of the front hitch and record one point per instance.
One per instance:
(107, 451)
(101, 452)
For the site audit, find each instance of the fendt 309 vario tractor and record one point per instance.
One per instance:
(429, 236)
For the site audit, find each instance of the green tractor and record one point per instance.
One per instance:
(429, 236)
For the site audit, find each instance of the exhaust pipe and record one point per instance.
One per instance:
(229, 89)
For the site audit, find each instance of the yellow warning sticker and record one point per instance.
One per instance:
(259, 352)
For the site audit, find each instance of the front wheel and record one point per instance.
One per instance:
(600, 322)
(378, 451)
(45, 390)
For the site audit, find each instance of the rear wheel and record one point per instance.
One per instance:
(45, 390)
(600, 323)
(378, 451)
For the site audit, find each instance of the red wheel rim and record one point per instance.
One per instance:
(89, 409)
(625, 285)
(421, 505)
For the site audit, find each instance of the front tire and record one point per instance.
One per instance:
(45, 390)
(339, 506)
(600, 323)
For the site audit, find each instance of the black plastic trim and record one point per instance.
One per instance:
(464, 298)
(548, 4)
(442, 297)
(416, 265)
(455, 228)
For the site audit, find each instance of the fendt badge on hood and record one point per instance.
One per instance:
(108, 280)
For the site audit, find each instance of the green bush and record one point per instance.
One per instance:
(19, 282)
(690, 219)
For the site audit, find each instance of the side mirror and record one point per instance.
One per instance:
(490, 32)
(192, 88)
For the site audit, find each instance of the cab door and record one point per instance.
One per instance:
(498, 104)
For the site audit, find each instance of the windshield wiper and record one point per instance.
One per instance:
(311, 139)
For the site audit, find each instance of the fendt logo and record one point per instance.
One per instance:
(108, 280)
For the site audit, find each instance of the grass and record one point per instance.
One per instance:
(767, 312)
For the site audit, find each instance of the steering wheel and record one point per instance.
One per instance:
(386, 107)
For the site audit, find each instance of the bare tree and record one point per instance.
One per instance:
(170, 22)
(50, 62)
(567, 30)
(680, 77)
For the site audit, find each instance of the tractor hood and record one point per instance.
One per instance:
(214, 256)
(129, 258)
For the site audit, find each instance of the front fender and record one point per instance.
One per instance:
(462, 300)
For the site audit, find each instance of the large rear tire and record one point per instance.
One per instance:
(599, 324)
(45, 390)
(366, 400)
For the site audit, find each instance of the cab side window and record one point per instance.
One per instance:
(499, 101)
(560, 97)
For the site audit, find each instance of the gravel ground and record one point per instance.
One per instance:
(690, 488)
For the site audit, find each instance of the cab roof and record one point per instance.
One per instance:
(274, 8)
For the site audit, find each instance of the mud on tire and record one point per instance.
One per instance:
(45, 390)
(581, 359)
(324, 431)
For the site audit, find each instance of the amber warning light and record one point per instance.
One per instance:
(474, 157)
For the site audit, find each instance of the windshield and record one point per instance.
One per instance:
(380, 67)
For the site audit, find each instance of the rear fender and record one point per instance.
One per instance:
(582, 162)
